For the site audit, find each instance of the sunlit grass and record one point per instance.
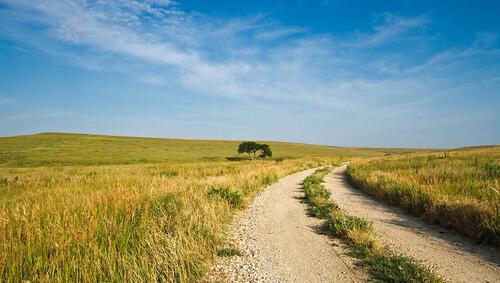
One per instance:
(458, 189)
(55, 149)
(102, 208)
(123, 223)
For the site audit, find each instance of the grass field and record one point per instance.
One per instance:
(161, 222)
(53, 149)
(101, 208)
(459, 189)
(77, 207)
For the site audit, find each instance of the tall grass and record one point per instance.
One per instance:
(458, 189)
(162, 222)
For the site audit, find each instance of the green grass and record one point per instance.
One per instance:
(232, 197)
(90, 208)
(389, 267)
(55, 149)
(381, 263)
(459, 189)
(227, 252)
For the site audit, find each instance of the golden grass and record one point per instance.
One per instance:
(152, 222)
(104, 208)
(457, 189)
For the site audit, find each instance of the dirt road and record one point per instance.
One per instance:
(281, 243)
(455, 258)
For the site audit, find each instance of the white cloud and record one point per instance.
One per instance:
(392, 26)
(278, 33)
(159, 44)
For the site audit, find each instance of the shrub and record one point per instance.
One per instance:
(492, 170)
(233, 198)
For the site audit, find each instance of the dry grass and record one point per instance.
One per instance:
(86, 216)
(123, 222)
(457, 189)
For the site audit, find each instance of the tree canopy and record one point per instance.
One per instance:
(251, 147)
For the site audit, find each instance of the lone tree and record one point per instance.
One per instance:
(247, 147)
(252, 147)
(265, 151)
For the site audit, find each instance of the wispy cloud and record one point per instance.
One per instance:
(278, 33)
(157, 43)
(390, 28)
(482, 47)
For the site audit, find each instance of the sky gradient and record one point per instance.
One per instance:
(347, 73)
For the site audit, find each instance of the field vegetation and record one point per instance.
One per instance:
(458, 189)
(77, 207)
(58, 149)
(158, 222)
(155, 210)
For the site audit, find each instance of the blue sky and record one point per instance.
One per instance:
(349, 73)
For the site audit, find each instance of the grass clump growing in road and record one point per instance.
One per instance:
(341, 224)
(381, 263)
(389, 267)
(458, 189)
(317, 195)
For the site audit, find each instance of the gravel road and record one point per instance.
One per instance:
(280, 243)
(454, 257)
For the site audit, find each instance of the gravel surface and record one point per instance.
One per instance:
(280, 243)
(454, 257)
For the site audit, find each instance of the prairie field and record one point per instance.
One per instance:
(282, 141)
(458, 189)
(101, 208)
(56, 149)
(160, 222)
(89, 208)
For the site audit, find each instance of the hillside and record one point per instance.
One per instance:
(50, 149)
